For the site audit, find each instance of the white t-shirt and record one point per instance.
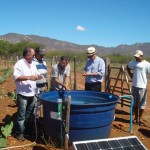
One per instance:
(140, 71)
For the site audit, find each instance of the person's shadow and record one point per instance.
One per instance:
(145, 132)
(8, 119)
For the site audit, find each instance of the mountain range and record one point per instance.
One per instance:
(59, 45)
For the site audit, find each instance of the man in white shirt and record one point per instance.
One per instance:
(25, 76)
(140, 68)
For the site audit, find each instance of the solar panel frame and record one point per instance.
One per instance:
(120, 143)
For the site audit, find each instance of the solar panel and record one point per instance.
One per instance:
(122, 143)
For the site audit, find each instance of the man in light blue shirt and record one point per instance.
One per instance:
(94, 71)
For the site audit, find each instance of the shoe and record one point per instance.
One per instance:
(141, 124)
(135, 121)
(20, 138)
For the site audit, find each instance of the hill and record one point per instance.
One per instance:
(54, 45)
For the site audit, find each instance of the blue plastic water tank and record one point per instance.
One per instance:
(91, 114)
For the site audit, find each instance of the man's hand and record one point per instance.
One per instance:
(86, 73)
(33, 77)
(40, 77)
(66, 87)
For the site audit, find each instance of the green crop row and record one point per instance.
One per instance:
(6, 74)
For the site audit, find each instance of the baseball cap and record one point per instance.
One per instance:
(91, 51)
(138, 53)
(40, 50)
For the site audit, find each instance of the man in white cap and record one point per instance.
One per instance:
(94, 71)
(138, 70)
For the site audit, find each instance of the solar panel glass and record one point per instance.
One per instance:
(123, 143)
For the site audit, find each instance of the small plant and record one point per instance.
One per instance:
(12, 95)
(6, 131)
(3, 91)
(3, 142)
(6, 74)
(2, 80)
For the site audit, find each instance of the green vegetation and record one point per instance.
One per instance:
(10, 49)
(79, 56)
(3, 92)
(12, 95)
(6, 130)
(121, 59)
(6, 74)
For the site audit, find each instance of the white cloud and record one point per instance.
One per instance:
(80, 28)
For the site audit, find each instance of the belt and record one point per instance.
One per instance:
(93, 83)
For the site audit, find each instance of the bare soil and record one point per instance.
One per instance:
(120, 127)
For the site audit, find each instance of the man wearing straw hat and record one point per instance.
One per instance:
(140, 68)
(94, 71)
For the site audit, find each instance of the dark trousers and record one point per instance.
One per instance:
(96, 86)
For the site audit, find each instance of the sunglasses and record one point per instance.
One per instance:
(90, 56)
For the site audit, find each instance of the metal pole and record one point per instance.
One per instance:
(131, 108)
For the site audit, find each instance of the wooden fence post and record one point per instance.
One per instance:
(67, 122)
(107, 74)
(75, 84)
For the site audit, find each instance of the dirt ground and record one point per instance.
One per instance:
(120, 127)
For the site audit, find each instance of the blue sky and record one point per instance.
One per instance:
(101, 22)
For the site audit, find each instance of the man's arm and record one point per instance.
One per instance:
(129, 72)
(60, 83)
(66, 82)
(32, 77)
(90, 74)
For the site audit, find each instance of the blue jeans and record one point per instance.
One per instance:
(25, 118)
